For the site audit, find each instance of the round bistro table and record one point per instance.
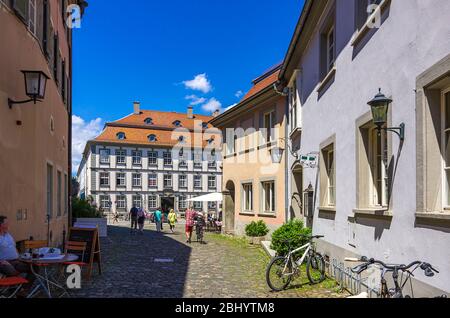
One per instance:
(44, 281)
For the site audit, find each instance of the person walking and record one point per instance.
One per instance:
(172, 219)
(134, 219)
(158, 219)
(190, 216)
(141, 220)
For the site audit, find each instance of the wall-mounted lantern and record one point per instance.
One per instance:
(380, 108)
(276, 153)
(35, 85)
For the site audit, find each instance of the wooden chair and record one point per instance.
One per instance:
(11, 285)
(80, 248)
(34, 244)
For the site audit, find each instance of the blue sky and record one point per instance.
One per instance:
(164, 52)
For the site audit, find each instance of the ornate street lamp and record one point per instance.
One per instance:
(35, 85)
(380, 108)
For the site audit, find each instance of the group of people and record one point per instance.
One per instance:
(138, 217)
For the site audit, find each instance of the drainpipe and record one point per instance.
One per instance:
(286, 168)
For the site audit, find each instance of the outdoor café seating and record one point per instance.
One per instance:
(10, 286)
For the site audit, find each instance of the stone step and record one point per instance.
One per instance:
(266, 247)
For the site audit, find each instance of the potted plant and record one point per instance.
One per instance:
(257, 232)
(85, 214)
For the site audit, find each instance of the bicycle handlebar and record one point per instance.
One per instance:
(426, 267)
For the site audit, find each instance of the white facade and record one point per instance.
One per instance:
(413, 40)
(200, 179)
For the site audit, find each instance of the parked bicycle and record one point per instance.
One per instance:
(282, 269)
(401, 275)
(200, 228)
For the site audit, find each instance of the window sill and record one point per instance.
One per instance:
(380, 212)
(328, 78)
(365, 28)
(247, 213)
(267, 145)
(267, 215)
(296, 132)
(331, 209)
(434, 215)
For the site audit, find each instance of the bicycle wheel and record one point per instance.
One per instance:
(279, 273)
(315, 268)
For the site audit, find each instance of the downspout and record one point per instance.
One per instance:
(286, 154)
(286, 168)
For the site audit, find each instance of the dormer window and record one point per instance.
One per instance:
(121, 136)
(205, 125)
(148, 121)
(181, 139)
(177, 123)
(152, 138)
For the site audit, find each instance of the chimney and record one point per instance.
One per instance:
(216, 113)
(137, 108)
(190, 112)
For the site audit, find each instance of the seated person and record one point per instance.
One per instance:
(10, 265)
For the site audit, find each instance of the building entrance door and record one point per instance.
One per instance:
(167, 203)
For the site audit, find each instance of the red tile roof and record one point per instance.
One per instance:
(137, 131)
(262, 84)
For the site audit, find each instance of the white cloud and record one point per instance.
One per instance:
(199, 83)
(195, 100)
(239, 94)
(212, 105)
(83, 131)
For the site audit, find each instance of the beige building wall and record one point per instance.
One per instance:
(252, 163)
(27, 141)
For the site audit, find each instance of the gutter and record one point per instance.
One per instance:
(295, 38)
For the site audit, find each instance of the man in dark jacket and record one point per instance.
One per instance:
(134, 219)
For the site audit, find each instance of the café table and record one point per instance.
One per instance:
(44, 280)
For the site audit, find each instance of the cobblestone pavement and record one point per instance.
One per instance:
(139, 266)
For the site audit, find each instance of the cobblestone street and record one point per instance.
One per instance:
(141, 266)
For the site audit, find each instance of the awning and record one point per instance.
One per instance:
(211, 197)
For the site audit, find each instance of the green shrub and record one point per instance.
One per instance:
(82, 209)
(292, 232)
(256, 229)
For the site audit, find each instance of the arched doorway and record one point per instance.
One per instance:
(229, 207)
(296, 208)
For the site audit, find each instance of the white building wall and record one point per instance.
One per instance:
(415, 36)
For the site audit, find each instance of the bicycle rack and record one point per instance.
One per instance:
(348, 280)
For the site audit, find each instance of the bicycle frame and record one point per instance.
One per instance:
(307, 247)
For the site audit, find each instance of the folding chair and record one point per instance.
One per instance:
(11, 283)
(79, 248)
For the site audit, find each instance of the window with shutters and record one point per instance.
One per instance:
(59, 193)
(49, 190)
(46, 28)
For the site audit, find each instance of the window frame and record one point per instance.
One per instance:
(152, 198)
(212, 182)
(247, 194)
(119, 185)
(133, 179)
(102, 177)
(136, 154)
(167, 159)
(102, 156)
(445, 180)
(377, 200)
(133, 197)
(272, 197)
(270, 131)
(330, 46)
(168, 177)
(120, 153)
(185, 184)
(152, 158)
(198, 178)
(119, 198)
(152, 177)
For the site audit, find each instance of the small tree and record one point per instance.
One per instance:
(293, 232)
(256, 229)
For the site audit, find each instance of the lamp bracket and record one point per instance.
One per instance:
(293, 153)
(12, 102)
(399, 131)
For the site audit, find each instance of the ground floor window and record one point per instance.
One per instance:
(378, 167)
(137, 201)
(152, 202)
(268, 194)
(446, 144)
(198, 206)
(182, 203)
(121, 202)
(105, 202)
(212, 206)
(248, 196)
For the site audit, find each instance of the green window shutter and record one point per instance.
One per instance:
(47, 29)
(21, 9)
